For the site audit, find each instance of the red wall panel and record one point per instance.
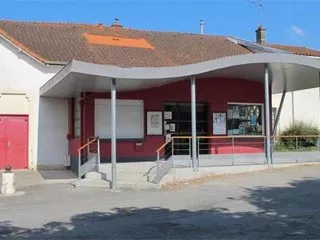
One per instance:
(216, 92)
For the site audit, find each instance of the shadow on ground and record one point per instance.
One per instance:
(290, 212)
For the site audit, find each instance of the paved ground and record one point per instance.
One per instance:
(276, 204)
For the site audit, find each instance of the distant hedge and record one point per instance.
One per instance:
(300, 128)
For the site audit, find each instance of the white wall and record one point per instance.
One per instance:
(305, 107)
(23, 76)
(53, 128)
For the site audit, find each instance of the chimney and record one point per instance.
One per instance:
(261, 35)
(201, 27)
(116, 23)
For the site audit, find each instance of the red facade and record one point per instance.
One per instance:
(216, 92)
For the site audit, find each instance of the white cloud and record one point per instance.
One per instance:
(297, 31)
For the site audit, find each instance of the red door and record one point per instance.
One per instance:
(14, 141)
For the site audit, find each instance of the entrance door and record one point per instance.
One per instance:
(181, 118)
(14, 141)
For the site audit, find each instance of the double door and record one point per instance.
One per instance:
(14, 141)
(181, 120)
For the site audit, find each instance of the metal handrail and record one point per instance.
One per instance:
(87, 144)
(229, 137)
(296, 136)
(163, 145)
(182, 137)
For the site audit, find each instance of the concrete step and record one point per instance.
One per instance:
(131, 176)
(121, 184)
(95, 183)
(141, 167)
(95, 175)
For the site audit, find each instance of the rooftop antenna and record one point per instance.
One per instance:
(259, 4)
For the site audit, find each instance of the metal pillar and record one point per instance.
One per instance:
(267, 115)
(276, 121)
(194, 124)
(113, 135)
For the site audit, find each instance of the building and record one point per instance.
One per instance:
(62, 84)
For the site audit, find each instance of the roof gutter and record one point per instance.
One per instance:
(56, 63)
(20, 50)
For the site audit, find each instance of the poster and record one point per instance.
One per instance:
(154, 123)
(219, 123)
(172, 127)
(167, 115)
(235, 112)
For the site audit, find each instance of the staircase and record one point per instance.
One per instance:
(137, 175)
(129, 176)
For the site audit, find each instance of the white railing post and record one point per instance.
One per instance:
(158, 163)
(98, 152)
(190, 148)
(232, 142)
(172, 148)
(297, 149)
(79, 164)
(198, 151)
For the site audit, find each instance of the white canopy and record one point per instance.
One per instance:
(287, 71)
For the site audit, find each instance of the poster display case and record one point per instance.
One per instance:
(245, 119)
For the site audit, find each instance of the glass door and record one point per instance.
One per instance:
(180, 125)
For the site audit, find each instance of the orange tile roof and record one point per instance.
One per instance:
(64, 42)
(22, 46)
(297, 50)
(118, 41)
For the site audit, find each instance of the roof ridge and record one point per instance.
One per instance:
(109, 26)
(296, 46)
(172, 32)
(50, 23)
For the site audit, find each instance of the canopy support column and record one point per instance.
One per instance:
(194, 124)
(267, 115)
(113, 134)
(276, 122)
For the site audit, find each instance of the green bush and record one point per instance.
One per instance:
(300, 129)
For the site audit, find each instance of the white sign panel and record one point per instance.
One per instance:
(219, 123)
(154, 123)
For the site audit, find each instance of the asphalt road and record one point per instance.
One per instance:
(275, 204)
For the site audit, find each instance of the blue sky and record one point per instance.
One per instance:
(293, 22)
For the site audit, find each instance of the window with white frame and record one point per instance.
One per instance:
(245, 119)
(129, 119)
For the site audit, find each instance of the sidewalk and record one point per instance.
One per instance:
(25, 178)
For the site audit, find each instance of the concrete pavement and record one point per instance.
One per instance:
(274, 204)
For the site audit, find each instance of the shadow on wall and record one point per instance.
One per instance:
(282, 213)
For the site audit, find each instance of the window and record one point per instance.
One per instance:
(130, 124)
(245, 119)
